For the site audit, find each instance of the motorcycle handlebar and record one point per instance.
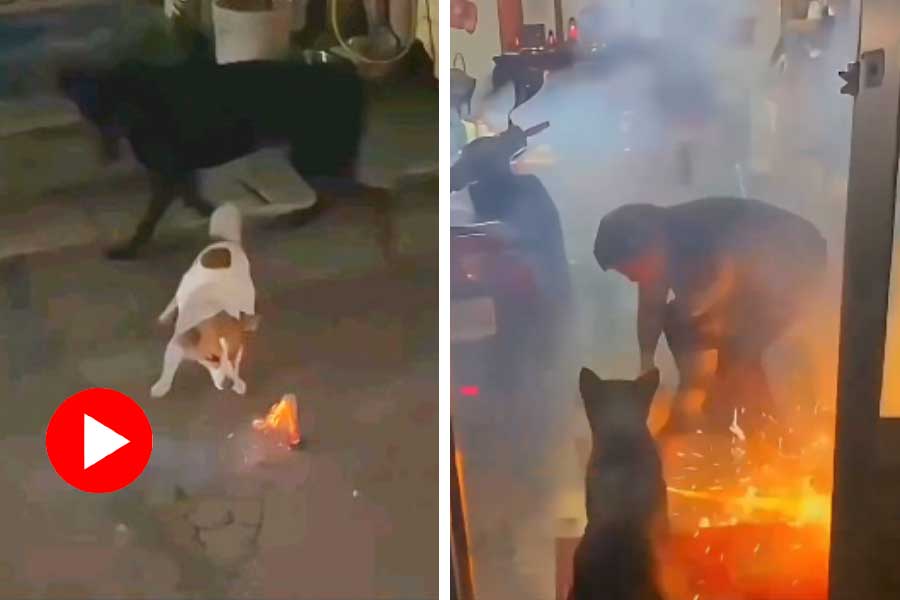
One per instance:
(477, 151)
(537, 129)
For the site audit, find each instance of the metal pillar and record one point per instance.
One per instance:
(867, 267)
(558, 21)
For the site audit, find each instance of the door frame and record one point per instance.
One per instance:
(868, 250)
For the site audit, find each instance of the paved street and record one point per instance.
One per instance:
(218, 513)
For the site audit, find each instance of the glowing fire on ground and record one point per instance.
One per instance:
(750, 510)
(282, 421)
(796, 507)
(750, 514)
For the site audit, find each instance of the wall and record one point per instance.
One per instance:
(621, 13)
(631, 18)
(538, 11)
(430, 8)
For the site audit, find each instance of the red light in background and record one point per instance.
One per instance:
(470, 391)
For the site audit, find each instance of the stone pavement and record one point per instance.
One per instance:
(220, 512)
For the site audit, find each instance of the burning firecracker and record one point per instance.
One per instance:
(283, 421)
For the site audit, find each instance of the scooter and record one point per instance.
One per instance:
(509, 273)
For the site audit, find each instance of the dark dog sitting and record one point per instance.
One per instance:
(198, 114)
(625, 493)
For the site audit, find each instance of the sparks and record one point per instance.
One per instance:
(736, 429)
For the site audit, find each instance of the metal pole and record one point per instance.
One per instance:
(459, 556)
(867, 266)
(454, 594)
(558, 19)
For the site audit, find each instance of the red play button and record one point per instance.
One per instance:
(99, 440)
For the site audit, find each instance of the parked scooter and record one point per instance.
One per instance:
(509, 274)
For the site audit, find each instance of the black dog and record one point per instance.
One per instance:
(625, 493)
(198, 114)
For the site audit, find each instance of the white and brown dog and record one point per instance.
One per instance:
(216, 306)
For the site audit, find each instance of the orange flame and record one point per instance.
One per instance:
(283, 419)
(751, 513)
(801, 506)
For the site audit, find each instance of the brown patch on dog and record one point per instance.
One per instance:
(204, 337)
(190, 337)
(216, 258)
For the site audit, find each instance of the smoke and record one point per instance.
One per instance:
(691, 103)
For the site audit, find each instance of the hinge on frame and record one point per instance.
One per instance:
(851, 79)
(871, 66)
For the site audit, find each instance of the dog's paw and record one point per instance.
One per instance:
(123, 252)
(160, 389)
(239, 387)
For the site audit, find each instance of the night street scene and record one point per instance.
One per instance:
(673, 337)
(227, 211)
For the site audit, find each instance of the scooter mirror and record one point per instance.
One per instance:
(527, 82)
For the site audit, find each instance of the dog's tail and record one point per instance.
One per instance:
(225, 223)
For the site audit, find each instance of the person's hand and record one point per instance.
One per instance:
(647, 363)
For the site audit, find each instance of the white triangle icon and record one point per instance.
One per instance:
(99, 441)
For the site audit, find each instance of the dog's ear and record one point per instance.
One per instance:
(251, 322)
(588, 384)
(593, 396)
(647, 384)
